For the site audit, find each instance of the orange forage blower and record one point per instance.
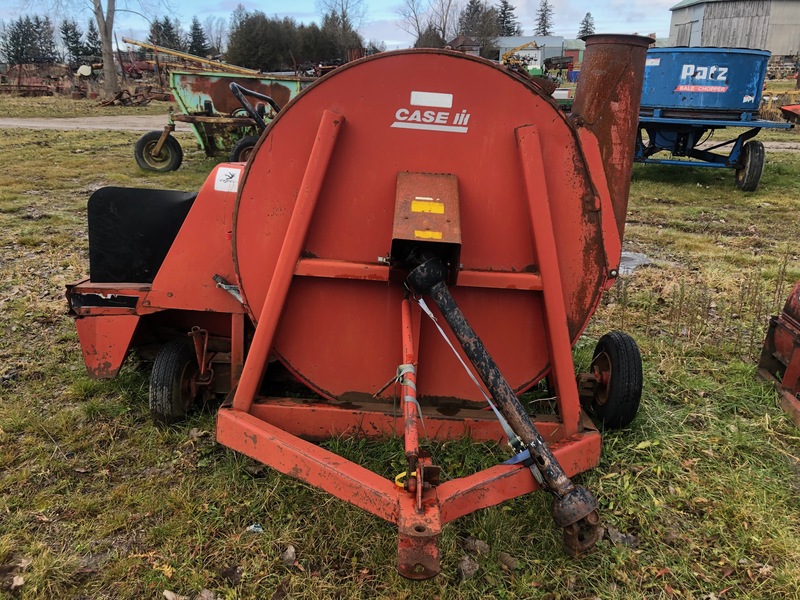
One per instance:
(423, 217)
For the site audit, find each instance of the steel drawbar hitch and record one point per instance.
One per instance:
(574, 507)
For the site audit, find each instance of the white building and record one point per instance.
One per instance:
(548, 45)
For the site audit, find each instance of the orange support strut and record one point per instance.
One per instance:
(256, 363)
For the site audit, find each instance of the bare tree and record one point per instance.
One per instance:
(105, 25)
(413, 17)
(444, 14)
(352, 12)
(422, 18)
(216, 29)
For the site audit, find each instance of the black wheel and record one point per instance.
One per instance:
(169, 159)
(748, 174)
(617, 365)
(171, 382)
(243, 148)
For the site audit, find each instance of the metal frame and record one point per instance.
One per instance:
(191, 291)
(695, 129)
(270, 429)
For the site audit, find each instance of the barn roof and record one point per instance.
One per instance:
(686, 3)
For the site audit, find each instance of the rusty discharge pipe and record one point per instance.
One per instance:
(607, 103)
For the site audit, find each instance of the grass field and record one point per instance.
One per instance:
(701, 495)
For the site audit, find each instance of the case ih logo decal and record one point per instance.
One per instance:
(432, 116)
(710, 74)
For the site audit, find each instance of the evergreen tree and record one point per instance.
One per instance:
(470, 18)
(506, 19)
(245, 28)
(338, 30)
(272, 44)
(198, 44)
(587, 25)
(311, 45)
(238, 17)
(93, 46)
(479, 21)
(544, 18)
(166, 32)
(44, 39)
(72, 38)
(18, 41)
(430, 38)
(28, 39)
(341, 21)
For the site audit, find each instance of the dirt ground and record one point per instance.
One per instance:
(121, 123)
(783, 146)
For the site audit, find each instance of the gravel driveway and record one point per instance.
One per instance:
(121, 123)
(157, 122)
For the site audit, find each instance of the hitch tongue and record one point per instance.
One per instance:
(574, 507)
(577, 513)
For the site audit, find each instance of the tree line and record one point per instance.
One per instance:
(435, 22)
(249, 38)
(277, 44)
(30, 39)
(252, 39)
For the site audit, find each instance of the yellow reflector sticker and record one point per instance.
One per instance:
(428, 235)
(426, 206)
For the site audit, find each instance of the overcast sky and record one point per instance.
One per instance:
(610, 16)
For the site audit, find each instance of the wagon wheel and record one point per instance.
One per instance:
(748, 174)
(617, 367)
(172, 389)
(169, 159)
(243, 148)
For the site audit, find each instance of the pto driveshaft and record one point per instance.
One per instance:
(574, 507)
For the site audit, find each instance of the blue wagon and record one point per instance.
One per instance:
(689, 94)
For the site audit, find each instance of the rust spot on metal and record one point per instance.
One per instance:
(103, 370)
(418, 547)
(780, 356)
(611, 111)
(216, 89)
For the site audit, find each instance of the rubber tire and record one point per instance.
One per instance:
(169, 159)
(170, 397)
(243, 148)
(624, 390)
(749, 174)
